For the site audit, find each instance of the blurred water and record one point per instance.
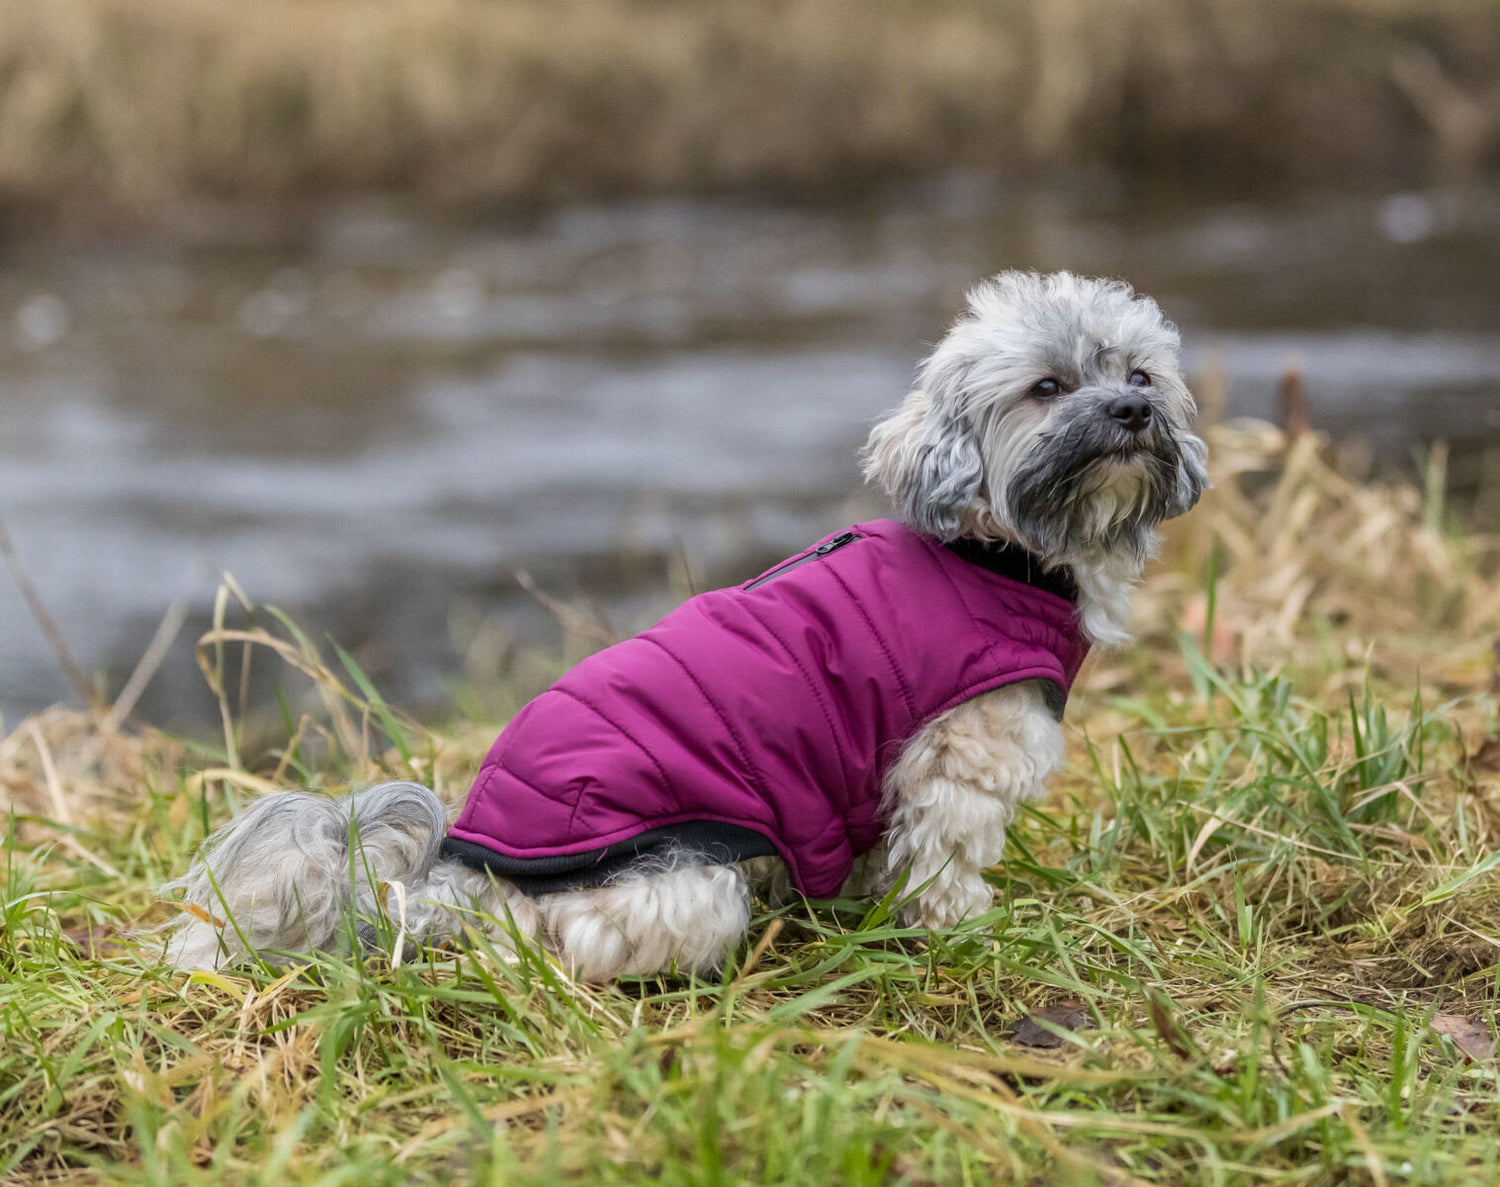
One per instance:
(374, 422)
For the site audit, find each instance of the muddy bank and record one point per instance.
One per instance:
(142, 109)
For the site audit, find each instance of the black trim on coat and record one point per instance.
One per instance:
(689, 843)
(1010, 560)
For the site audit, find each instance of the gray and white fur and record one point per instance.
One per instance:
(1053, 415)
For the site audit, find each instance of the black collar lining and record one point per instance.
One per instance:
(1010, 560)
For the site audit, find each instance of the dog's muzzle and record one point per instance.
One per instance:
(1048, 495)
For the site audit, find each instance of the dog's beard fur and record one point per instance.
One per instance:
(1079, 489)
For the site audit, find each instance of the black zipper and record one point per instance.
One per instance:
(817, 553)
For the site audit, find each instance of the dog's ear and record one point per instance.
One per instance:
(1192, 476)
(929, 464)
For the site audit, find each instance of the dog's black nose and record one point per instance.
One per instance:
(1133, 412)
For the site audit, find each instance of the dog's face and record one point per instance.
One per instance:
(1054, 415)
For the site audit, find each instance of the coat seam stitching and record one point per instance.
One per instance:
(817, 693)
(890, 659)
(624, 733)
(739, 742)
(937, 563)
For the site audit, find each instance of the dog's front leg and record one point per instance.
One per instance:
(954, 790)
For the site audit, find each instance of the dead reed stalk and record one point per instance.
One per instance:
(140, 106)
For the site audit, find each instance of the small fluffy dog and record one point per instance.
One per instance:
(885, 698)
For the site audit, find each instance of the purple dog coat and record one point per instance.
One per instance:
(760, 719)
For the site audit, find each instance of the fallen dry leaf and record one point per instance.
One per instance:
(1487, 757)
(1030, 1032)
(1472, 1038)
(198, 912)
(1168, 1029)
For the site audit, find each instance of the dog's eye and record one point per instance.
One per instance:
(1045, 389)
(1139, 378)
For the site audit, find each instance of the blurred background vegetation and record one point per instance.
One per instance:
(132, 107)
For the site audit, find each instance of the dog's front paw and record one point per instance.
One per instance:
(947, 901)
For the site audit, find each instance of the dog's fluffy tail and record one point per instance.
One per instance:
(299, 873)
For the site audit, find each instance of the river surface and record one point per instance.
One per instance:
(374, 422)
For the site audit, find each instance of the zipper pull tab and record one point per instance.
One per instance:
(837, 542)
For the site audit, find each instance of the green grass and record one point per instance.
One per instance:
(1264, 882)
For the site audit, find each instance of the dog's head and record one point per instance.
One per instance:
(1052, 415)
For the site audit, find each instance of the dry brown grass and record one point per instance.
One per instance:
(1328, 576)
(137, 106)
